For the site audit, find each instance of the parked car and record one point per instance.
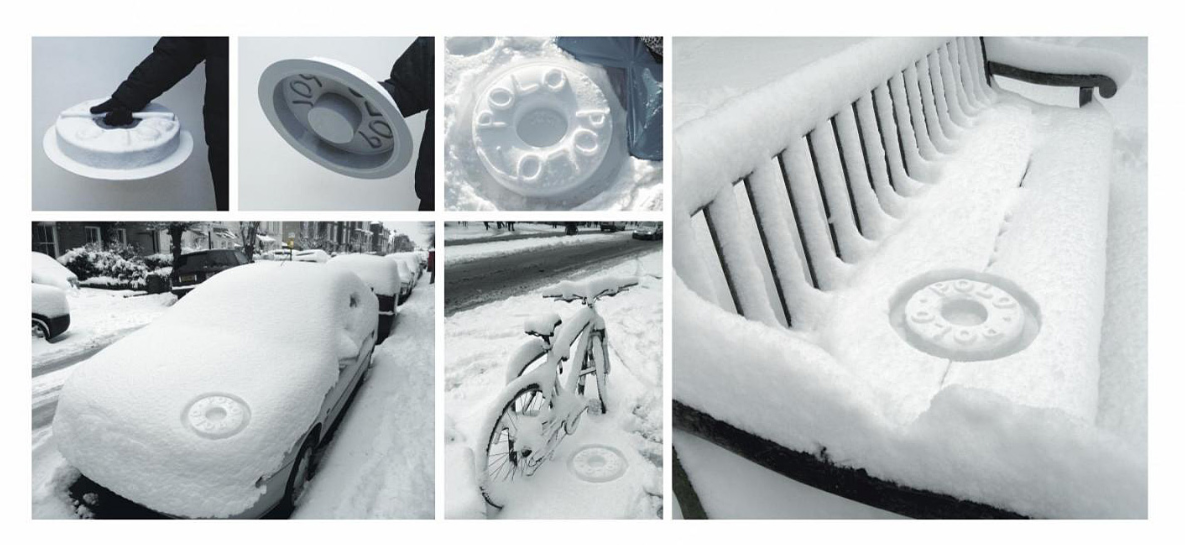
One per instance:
(382, 276)
(193, 268)
(612, 226)
(51, 311)
(649, 230)
(413, 263)
(47, 271)
(407, 279)
(311, 256)
(215, 409)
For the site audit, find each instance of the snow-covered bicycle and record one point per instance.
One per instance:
(545, 396)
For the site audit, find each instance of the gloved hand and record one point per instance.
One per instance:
(118, 115)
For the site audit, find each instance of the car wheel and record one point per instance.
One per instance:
(302, 472)
(40, 329)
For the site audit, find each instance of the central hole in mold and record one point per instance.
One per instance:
(104, 125)
(215, 414)
(964, 312)
(542, 127)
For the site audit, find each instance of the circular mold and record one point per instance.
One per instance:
(217, 416)
(598, 463)
(542, 129)
(965, 316)
(83, 144)
(337, 116)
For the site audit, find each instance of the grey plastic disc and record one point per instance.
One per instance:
(336, 115)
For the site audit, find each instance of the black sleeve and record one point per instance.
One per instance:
(413, 78)
(171, 60)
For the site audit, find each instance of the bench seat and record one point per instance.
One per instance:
(788, 269)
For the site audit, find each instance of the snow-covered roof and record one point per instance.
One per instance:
(382, 275)
(47, 270)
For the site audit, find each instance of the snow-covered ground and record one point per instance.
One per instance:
(471, 252)
(1122, 385)
(97, 318)
(478, 343)
(470, 63)
(380, 462)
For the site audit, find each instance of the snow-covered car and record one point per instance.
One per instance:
(311, 256)
(413, 265)
(407, 278)
(215, 409)
(382, 275)
(47, 271)
(51, 311)
(194, 268)
(650, 230)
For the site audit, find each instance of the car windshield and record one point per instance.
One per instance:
(206, 260)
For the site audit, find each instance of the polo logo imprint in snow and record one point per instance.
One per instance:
(82, 143)
(542, 129)
(337, 116)
(965, 316)
(598, 464)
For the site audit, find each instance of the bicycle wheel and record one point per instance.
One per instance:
(505, 457)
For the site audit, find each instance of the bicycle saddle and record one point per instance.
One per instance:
(542, 325)
(593, 288)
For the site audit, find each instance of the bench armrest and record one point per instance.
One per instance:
(1057, 65)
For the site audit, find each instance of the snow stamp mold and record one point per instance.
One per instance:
(82, 143)
(542, 129)
(965, 315)
(598, 463)
(337, 116)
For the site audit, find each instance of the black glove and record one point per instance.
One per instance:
(118, 115)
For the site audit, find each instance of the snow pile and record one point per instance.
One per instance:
(498, 248)
(623, 182)
(47, 271)
(382, 275)
(381, 462)
(474, 374)
(606, 285)
(311, 256)
(266, 337)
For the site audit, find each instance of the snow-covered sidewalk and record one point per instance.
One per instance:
(97, 318)
(381, 462)
(479, 343)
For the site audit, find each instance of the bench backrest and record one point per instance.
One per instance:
(780, 192)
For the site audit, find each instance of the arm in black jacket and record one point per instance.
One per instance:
(413, 78)
(170, 61)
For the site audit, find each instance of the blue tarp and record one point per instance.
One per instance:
(637, 79)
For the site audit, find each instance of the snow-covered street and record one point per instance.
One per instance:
(480, 340)
(378, 463)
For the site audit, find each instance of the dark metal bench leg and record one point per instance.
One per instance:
(689, 503)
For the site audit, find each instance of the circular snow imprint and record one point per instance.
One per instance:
(964, 315)
(598, 463)
(542, 129)
(217, 416)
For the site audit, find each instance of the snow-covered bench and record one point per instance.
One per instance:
(890, 280)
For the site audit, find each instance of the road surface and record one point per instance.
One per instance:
(477, 282)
